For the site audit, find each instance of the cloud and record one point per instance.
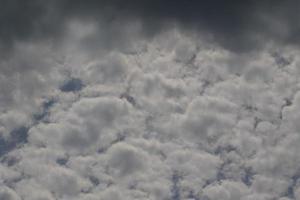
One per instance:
(207, 118)
(83, 125)
(236, 25)
(226, 190)
(126, 160)
(113, 68)
(8, 194)
(147, 109)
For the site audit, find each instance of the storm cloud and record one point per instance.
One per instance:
(236, 25)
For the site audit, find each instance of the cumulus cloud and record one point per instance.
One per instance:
(149, 100)
(80, 128)
(8, 194)
(125, 160)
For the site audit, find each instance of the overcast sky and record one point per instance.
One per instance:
(149, 100)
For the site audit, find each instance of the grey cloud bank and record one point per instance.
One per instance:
(236, 25)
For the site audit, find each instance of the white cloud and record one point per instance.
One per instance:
(8, 194)
(79, 129)
(178, 117)
(226, 190)
(124, 160)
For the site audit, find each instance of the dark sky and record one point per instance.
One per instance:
(234, 24)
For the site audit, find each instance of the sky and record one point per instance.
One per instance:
(149, 100)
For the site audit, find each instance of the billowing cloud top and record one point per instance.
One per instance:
(149, 99)
(237, 25)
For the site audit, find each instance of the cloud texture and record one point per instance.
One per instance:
(237, 25)
(154, 100)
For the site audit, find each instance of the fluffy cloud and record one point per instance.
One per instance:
(83, 124)
(164, 115)
(8, 194)
(125, 160)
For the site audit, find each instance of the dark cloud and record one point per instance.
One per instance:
(235, 24)
(24, 20)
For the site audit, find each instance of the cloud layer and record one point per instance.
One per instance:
(236, 25)
(154, 100)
